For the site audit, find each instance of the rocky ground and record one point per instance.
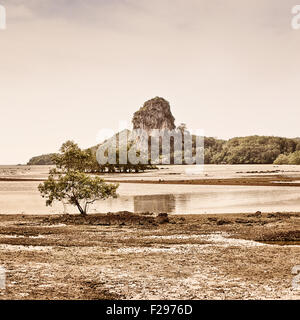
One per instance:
(127, 256)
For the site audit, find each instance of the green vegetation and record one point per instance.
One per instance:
(69, 182)
(240, 150)
(248, 150)
(72, 157)
(45, 159)
(291, 158)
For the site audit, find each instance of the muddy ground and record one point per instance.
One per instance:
(254, 180)
(127, 256)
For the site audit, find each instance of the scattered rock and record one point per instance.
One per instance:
(245, 221)
(293, 235)
(257, 214)
(118, 218)
(147, 213)
(279, 215)
(212, 219)
(221, 222)
(162, 218)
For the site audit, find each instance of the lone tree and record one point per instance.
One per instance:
(69, 182)
(71, 157)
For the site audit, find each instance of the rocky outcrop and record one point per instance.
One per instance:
(155, 114)
(45, 159)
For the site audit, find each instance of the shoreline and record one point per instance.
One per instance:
(266, 181)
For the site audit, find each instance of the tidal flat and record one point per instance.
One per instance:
(232, 232)
(208, 189)
(137, 256)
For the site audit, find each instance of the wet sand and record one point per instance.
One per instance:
(267, 181)
(254, 180)
(233, 175)
(129, 256)
(136, 256)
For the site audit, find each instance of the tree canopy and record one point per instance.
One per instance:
(239, 150)
(69, 181)
(76, 188)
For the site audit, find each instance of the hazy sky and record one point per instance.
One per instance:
(69, 68)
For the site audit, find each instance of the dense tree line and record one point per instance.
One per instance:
(85, 161)
(240, 150)
(248, 150)
(291, 158)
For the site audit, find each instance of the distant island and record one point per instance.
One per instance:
(156, 114)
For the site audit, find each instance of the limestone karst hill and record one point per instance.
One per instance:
(156, 114)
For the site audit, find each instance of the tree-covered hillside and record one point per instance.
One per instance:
(240, 150)
(249, 150)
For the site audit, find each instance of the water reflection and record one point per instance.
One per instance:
(23, 197)
(154, 203)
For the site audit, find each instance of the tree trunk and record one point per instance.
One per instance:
(82, 212)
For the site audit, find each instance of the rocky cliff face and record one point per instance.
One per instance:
(155, 114)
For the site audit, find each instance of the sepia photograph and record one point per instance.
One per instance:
(150, 151)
